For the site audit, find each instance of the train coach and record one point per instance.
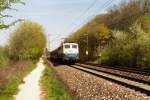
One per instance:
(67, 52)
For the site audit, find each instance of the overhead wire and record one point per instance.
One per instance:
(101, 8)
(79, 17)
(86, 11)
(105, 5)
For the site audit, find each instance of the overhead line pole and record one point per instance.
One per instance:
(87, 41)
(49, 45)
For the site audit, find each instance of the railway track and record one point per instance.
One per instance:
(127, 69)
(129, 74)
(129, 82)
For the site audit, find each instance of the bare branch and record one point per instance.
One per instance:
(3, 26)
(12, 8)
(2, 16)
(13, 23)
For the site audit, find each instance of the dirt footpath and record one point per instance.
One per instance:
(30, 90)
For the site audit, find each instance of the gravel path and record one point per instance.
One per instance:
(89, 87)
(30, 90)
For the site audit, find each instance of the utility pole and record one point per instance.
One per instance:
(99, 53)
(87, 41)
(63, 40)
(49, 46)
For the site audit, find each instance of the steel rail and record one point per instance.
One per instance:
(143, 88)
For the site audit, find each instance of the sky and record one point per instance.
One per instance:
(59, 18)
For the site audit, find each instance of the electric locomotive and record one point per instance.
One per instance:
(67, 52)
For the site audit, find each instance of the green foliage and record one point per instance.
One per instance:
(103, 35)
(98, 35)
(53, 87)
(4, 57)
(145, 22)
(121, 36)
(7, 5)
(27, 41)
(3, 26)
(123, 16)
(8, 91)
(128, 49)
(106, 54)
(143, 43)
(113, 53)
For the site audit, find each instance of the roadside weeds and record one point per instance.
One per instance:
(53, 88)
(12, 78)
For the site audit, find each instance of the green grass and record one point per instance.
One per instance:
(53, 88)
(11, 88)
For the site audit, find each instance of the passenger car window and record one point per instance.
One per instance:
(74, 46)
(67, 46)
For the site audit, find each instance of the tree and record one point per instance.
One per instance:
(111, 32)
(4, 56)
(27, 41)
(103, 35)
(7, 5)
(145, 22)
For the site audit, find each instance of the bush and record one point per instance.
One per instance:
(4, 57)
(144, 50)
(27, 41)
(105, 58)
(145, 22)
(128, 49)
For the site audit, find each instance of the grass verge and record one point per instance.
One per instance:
(11, 87)
(53, 88)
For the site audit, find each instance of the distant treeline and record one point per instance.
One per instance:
(121, 37)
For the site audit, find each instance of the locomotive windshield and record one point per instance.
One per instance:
(67, 46)
(74, 46)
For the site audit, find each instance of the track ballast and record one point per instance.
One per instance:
(130, 82)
